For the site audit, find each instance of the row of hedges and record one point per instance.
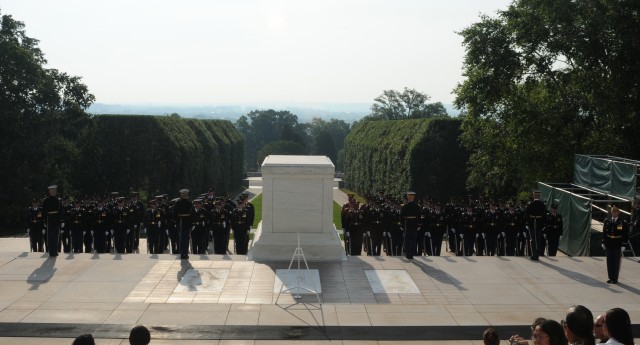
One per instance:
(159, 154)
(423, 155)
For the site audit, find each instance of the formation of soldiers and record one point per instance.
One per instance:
(387, 225)
(113, 223)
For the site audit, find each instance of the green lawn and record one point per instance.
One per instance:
(257, 206)
(337, 220)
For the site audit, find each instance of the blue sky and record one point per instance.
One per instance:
(242, 51)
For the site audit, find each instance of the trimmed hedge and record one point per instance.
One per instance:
(159, 154)
(423, 155)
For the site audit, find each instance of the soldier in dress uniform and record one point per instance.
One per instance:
(554, 230)
(182, 210)
(409, 217)
(137, 211)
(90, 208)
(492, 229)
(395, 228)
(615, 237)
(65, 232)
(102, 225)
(52, 208)
(240, 227)
(453, 212)
(469, 224)
(219, 221)
(344, 217)
(377, 227)
(77, 219)
(121, 225)
(36, 226)
(511, 225)
(436, 229)
(153, 221)
(535, 217)
(423, 222)
(356, 223)
(200, 226)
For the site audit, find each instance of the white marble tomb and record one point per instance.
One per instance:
(297, 198)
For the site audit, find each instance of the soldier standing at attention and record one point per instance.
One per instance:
(101, 227)
(240, 228)
(220, 221)
(35, 226)
(182, 210)
(120, 225)
(437, 228)
(200, 221)
(153, 227)
(554, 230)
(615, 236)
(511, 227)
(77, 225)
(52, 208)
(535, 213)
(409, 218)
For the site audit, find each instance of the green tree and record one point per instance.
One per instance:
(42, 113)
(281, 147)
(324, 146)
(337, 129)
(260, 127)
(546, 80)
(408, 104)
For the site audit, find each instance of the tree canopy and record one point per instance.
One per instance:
(408, 104)
(546, 80)
(42, 113)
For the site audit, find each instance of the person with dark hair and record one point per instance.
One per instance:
(516, 338)
(490, 337)
(617, 326)
(578, 327)
(84, 339)
(549, 332)
(598, 329)
(139, 335)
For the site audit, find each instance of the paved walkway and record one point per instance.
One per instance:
(107, 294)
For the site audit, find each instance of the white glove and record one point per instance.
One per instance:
(384, 234)
(84, 232)
(484, 235)
(604, 247)
(428, 234)
(524, 234)
(503, 234)
(527, 227)
(461, 235)
(453, 230)
(144, 231)
(128, 231)
(62, 225)
(477, 235)
(622, 248)
(91, 232)
(211, 233)
(111, 232)
(560, 238)
(159, 226)
(346, 234)
(369, 233)
(167, 231)
(28, 231)
(62, 231)
(44, 231)
(544, 236)
(106, 233)
(135, 226)
(224, 224)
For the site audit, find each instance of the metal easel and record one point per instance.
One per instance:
(298, 254)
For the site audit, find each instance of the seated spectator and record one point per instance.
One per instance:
(598, 329)
(578, 326)
(490, 337)
(617, 326)
(84, 339)
(139, 335)
(516, 338)
(549, 332)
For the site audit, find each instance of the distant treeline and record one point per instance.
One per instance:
(423, 155)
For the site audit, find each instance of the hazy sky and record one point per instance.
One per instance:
(214, 51)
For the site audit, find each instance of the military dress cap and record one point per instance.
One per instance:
(133, 193)
(120, 199)
(158, 197)
(152, 202)
(184, 191)
(197, 201)
(53, 186)
(411, 193)
(114, 193)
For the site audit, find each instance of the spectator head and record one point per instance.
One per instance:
(139, 335)
(84, 339)
(598, 329)
(549, 332)
(490, 337)
(578, 326)
(617, 325)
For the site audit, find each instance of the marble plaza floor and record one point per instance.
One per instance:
(215, 299)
